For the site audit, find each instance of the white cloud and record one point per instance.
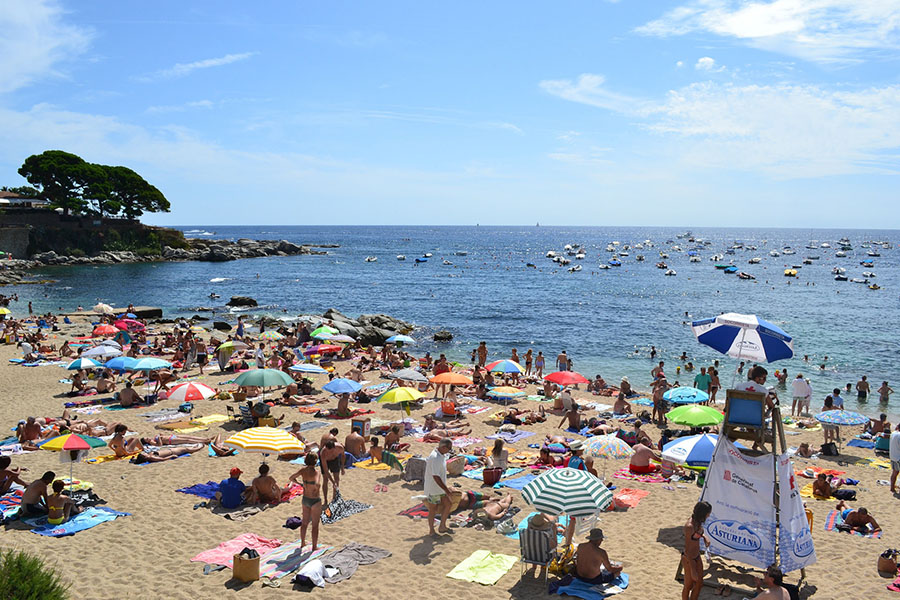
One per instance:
(34, 41)
(707, 63)
(818, 30)
(588, 89)
(782, 130)
(679, 64)
(183, 69)
(165, 108)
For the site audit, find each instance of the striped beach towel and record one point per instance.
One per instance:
(835, 518)
(288, 558)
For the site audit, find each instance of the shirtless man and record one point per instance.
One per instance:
(264, 489)
(859, 520)
(106, 384)
(774, 590)
(482, 354)
(592, 563)
(641, 436)
(120, 446)
(621, 407)
(331, 463)
(573, 417)
(331, 434)
(34, 498)
(825, 486)
(355, 443)
(129, 397)
(640, 461)
(392, 440)
(28, 433)
(659, 404)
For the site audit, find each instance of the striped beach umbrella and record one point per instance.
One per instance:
(308, 368)
(270, 336)
(505, 366)
(685, 395)
(71, 442)
(744, 337)
(693, 450)
(266, 440)
(191, 391)
(607, 446)
(567, 491)
(83, 363)
(505, 391)
(324, 330)
(566, 378)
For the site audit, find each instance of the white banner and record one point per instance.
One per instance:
(741, 491)
(795, 542)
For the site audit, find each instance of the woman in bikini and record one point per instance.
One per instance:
(164, 454)
(690, 558)
(312, 501)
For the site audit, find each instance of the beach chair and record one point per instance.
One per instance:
(538, 548)
(247, 418)
(232, 416)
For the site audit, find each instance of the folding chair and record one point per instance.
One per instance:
(247, 418)
(537, 547)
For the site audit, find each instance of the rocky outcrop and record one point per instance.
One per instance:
(241, 301)
(368, 329)
(221, 326)
(443, 336)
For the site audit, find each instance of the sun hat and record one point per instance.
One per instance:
(576, 445)
(595, 534)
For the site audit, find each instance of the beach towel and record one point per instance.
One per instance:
(204, 490)
(391, 461)
(12, 450)
(462, 441)
(339, 509)
(591, 591)
(190, 429)
(287, 558)
(484, 567)
(96, 460)
(223, 554)
(356, 412)
(511, 438)
(212, 453)
(347, 560)
(523, 524)
(516, 484)
(474, 410)
(628, 497)
(419, 511)
(835, 518)
(10, 503)
(306, 426)
(310, 410)
(861, 443)
(813, 472)
(807, 492)
(879, 463)
(478, 474)
(209, 420)
(86, 519)
(624, 473)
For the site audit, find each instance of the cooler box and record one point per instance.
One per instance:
(364, 424)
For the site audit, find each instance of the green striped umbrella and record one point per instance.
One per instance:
(570, 491)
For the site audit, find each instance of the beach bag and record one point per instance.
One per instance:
(456, 465)
(492, 475)
(844, 494)
(829, 449)
(564, 563)
(506, 526)
(246, 565)
(887, 562)
(185, 407)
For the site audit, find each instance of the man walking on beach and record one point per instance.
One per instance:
(701, 380)
(895, 457)
(436, 491)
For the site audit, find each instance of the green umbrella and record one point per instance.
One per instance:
(695, 415)
(263, 378)
(324, 330)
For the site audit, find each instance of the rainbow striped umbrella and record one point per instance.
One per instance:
(271, 336)
(190, 391)
(607, 446)
(266, 440)
(571, 491)
(505, 366)
(71, 442)
(505, 391)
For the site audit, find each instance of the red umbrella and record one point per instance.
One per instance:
(129, 324)
(323, 349)
(104, 330)
(566, 378)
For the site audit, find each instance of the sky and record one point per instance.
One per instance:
(631, 112)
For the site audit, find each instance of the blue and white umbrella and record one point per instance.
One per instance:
(842, 417)
(121, 363)
(83, 363)
(342, 386)
(401, 338)
(694, 450)
(744, 337)
(685, 395)
(307, 368)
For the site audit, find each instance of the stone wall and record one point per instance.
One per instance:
(14, 239)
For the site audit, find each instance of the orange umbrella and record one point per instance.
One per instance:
(451, 378)
(104, 330)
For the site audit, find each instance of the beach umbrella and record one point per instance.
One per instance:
(451, 378)
(744, 337)
(266, 440)
(71, 442)
(342, 386)
(694, 450)
(105, 309)
(103, 330)
(323, 336)
(129, 324)
(83, 363)
(570, 491)
(409, 375)
(231, 346)
(111, 344)
(324, 330)
(120, 363)
(505, 366)
(307, 368)
(190, 391)
(695, 415)
(685, 395)
(404, 339)
(322, 349)
(5, 311)
(400, 394)
(197, 330)
(566, 378)
(150, 364)
(127, 315)
(101, 351)
(607, 446)
(841, 418)
(344, 339)
(263, 378)
(505, 391)
(270, 336)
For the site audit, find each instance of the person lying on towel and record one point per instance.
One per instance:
(858, 520)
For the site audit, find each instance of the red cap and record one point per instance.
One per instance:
(235, 472)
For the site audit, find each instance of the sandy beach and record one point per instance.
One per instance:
(149, 552)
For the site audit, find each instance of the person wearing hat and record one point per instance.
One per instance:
(592, 563)
(625, 387)
(231, 490)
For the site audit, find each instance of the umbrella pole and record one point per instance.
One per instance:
(734, 376)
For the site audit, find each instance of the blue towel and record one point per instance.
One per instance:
(91, 517)
(587, 591)
(511, 438)
(213, 454)
(204, 490)
(861, 444)
(523, 524)
(307, 425)
(478, 474)
(518, 483)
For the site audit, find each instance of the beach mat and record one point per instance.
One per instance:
(861, 443)
(210, 420)
(628, 497)
(287, 558)
(307, 425)
(339, 509)
(223, 554)
(86, 519)
(10, 503)
(204, 490)
(478, 474)
(835, 518)
(516, 484)
(484, 567)
(511, 438)
(384, 466)
(419, 511)
(594, 591)
(624, 473)
(212, 453)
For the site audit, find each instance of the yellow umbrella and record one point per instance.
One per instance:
(267, 440)
(400, 394)
(4, 311)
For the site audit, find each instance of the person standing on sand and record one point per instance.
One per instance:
(895, 457)
(690, 558)
(539, 365)
(800, 392)
(528, 361)
(482, 354)
(436, 491)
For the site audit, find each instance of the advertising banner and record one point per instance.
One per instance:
(795, 542)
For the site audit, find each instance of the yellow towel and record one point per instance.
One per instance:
(209, 420)
(79, 485)
(380, 466)
(105, 458)
(880, 463)
(807, 492)
(191, 429)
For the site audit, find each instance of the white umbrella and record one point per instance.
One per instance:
(101, 351)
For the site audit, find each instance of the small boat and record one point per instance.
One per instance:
(721, 266)
(868, 274)
(825, 245)
(694, 259)
(662, 265)
(774, 253)
(462, 253)
(838, 271)
(730, 269)
(867, 263)
(639, 258)
(663, 255)
(421, 260)
(214, 296)
(806, 261)
(840, 254)
(614, 262)
(401, 257)
(671, 272)
(575, 269)
(743, 275)
(874, 286)
(788, 251)
(872, 253)
(446, 262)
(564, 261)
(622, 253)
(532, 265)
(604, 267)
(840, 277)
(550, 254)
(580, 256)
(790, 272)
(755, 260)
(716, 257)
(427, 255)
(813, 257)
(859, 280)
(371, 258)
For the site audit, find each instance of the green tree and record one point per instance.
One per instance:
(26, 191)
(58, 176)
(133, 194)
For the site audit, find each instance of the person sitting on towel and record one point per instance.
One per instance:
(264, 488)
(826, 486)
(858, 520)
(231, 490)
(129, 397)
(640, 461)
(592, 563)
(59, 506)
(34, 498)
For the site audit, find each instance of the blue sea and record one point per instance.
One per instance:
(606, 320)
